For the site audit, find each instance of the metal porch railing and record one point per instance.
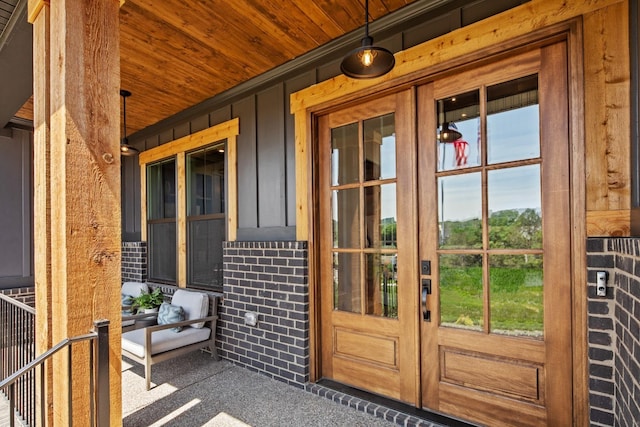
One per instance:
(19, 384)
(17, 348)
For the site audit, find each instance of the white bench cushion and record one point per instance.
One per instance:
(163, 340)
(194, 304)
(133, 289)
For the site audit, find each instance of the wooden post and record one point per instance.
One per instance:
(42, 201)
(77, 192)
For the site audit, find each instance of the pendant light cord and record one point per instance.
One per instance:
(366, 18)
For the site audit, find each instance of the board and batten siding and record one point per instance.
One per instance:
(16, 209)
(266, 143)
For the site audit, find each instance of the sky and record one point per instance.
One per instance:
(512, 135)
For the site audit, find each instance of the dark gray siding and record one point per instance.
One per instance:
(16, 209)
(266, 144)
(247, 184)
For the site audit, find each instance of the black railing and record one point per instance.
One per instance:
(17, 348)
(19, 384)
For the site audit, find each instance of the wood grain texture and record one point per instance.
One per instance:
(232, 188)
(181, 229)
(609, 223)
(177, 54)
(42, 202)
(606, 62)
(85, 202)
(516, 22)
(190, 142)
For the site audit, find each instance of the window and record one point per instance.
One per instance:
(190, 190)
(161, 207)
(205, 216)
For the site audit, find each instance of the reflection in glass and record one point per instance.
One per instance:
(382, 285)
(516, 290)
(515, 208)
(379, 148)
(462, 114)
(460, 211)
(346, 218)
(205, 181)
(380, 216)
(162, 251)
(161, 190)
(346, 282)
(513, 120)
(344, 154)
(205, 239)
(461, 291)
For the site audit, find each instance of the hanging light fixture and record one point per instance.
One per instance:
(125, 148)
(449, 132)
(367, 61)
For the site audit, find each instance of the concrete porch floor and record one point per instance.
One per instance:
(195, 390)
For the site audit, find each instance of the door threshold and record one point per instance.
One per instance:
(382, 407)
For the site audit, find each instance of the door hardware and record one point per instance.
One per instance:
(426, 291)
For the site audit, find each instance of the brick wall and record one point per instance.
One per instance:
(134, 261)
(25, 295)
(614, 322)
(270, 279)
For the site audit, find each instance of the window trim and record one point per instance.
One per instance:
(228, 131)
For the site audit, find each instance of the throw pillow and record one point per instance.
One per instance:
(127, 302)
(195, 304)
(170, 313)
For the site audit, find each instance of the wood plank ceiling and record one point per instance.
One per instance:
(177, 53)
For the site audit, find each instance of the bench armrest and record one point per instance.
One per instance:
(150, 329)
(139, 316)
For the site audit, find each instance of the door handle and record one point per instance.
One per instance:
(426, 291)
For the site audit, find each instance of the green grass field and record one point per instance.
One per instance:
(516, 297)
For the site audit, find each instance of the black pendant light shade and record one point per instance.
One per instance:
(448, 133)
(125, 148)
(367, 61)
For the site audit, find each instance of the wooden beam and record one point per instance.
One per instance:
(35, 7)
(498, 29)
(181, 229)
(609, 223)
(607, 122)
(85, 203)
(42, 202)
(232, 188)
(190, 142)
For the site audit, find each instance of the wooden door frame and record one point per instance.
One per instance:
(340, 91)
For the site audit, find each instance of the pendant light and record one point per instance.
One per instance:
(125, 148)
(367, 61)
(449, 132)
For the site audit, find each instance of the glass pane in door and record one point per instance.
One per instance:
(379, 148)
(346, 218)
(458, 132)
(344, 154)
(461, 302)
(382, 284)
(515, 208)
(460, 211)
(346, 282)
(516, 295)
(513, 123)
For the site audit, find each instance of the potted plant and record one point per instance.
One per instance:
(148, 302)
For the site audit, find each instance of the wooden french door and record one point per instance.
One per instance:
(445, 259)
(368, 305)
(495, 227)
